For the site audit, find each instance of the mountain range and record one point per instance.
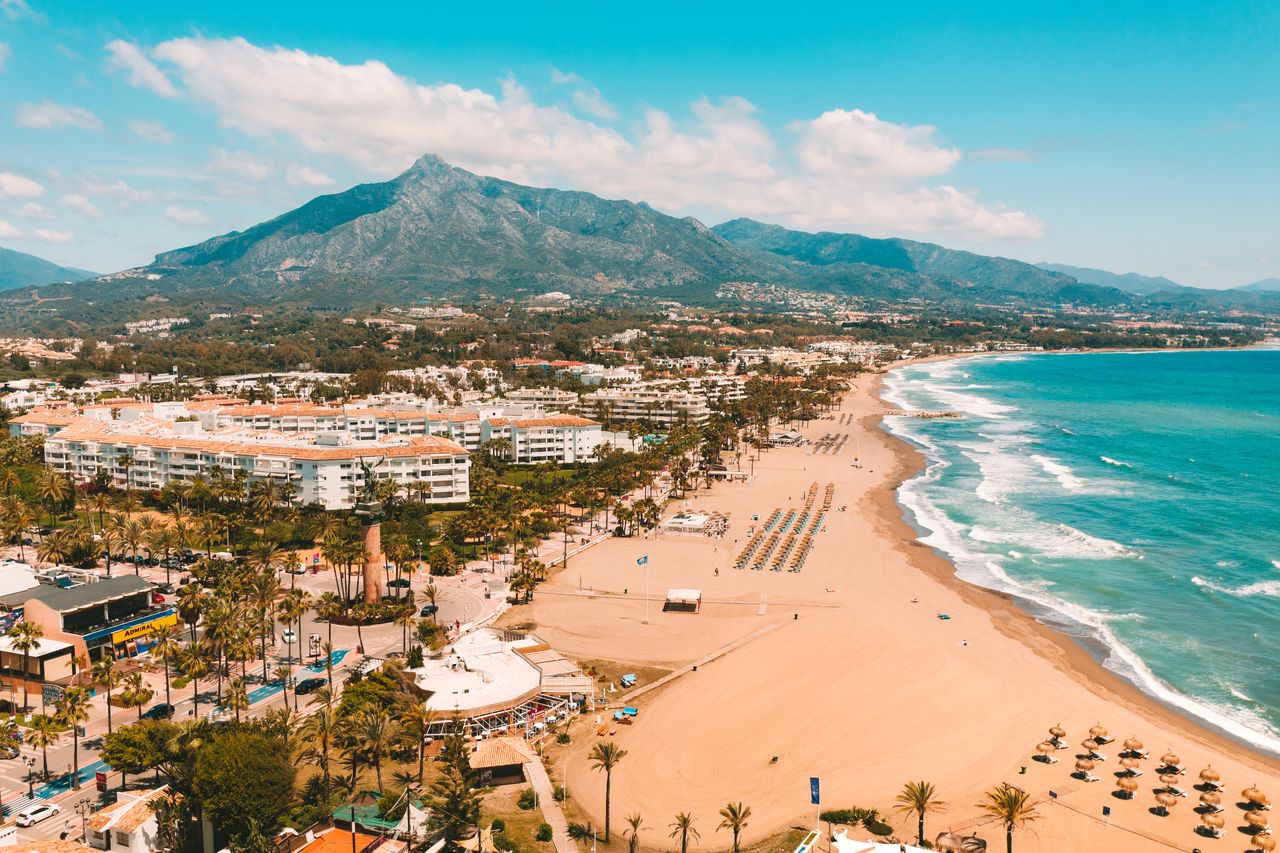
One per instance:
(439, 231)
(18, 269)
(1130, 282)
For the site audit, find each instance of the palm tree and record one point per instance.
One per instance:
(290, 609)
(735, 818)
(318, 731)
(632, 832)
(376, 733)
(237, 698)
(193, 664)
(606, 756)
(133, 533)
(44, 732)
(164, 651)
(136, 693)
(432, 592)
(25, 637)
(72, 710)
(104, 675)
(918, 798)
(191, 601)
(416, 719)
(683, 827)
(54, 489)
(284, 674)
(328, 607)
(1011, 806)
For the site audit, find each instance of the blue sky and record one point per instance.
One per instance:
(1130, 136)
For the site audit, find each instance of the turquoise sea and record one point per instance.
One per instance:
(1130, 499)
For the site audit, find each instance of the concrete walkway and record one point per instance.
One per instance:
(552, 813)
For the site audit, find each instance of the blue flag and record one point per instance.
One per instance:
(813, 790)
(643, 560)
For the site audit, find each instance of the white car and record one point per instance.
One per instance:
(32, 815)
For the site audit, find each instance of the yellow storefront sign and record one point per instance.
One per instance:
(143, 629)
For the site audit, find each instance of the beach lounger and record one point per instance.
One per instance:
(632, 712)
(602, 731)
(1089, 777)
(1176, 791)
(944, 616)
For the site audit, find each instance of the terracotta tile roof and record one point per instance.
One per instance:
(126, 815)
(495, 753)
(50, 845)
(45, 416)
(336, 841)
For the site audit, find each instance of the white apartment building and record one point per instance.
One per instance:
(549, 399)
(645, 403)
(559, 439)
(323, 467)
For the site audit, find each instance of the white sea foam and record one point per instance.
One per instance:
(1050, 540)
(946, 535)
(1236, 693)
(1116, 462)
(1064, 475)
(969, 404)
(1268, 589)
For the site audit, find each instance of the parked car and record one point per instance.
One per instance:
(162, 711)
(32, 815)
(296, 569)
(7, 752)
(166, 588)
(309, 685)
(157, 597)
(429, 610)
(289, 635)
(400, 582)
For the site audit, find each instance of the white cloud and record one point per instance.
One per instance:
(47, 235)
(237, 164)
(846, 169)
(16, 186)
(80, 204)
(1002, 155)
(33, 210)
(5, 53)
(47, 115)
(141, 72)
(585, 95)
(152, 131)
(7, 231)
(16, 10)
(186, 216)
(305, 176)
(116, 189)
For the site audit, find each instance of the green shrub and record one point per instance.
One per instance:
(544, 832)
(527, 800)
(563, 737)
(498, 825)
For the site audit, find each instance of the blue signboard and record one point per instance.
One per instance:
(813, 790)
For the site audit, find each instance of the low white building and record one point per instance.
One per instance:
(550, 399)
(558, 439)
(128, 824)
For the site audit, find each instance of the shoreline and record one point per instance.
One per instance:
(1065, 651)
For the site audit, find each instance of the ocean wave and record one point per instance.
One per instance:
(1116, 462)
(1268, 589)
(1051, 540)
(1064, 475)
(970, 404)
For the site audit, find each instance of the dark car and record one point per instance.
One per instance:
(400, 582)
(164, 588)
(163, 711)
(429, 610)
(309, 685)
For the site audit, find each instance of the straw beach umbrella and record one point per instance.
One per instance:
(1210, 800)
(1255, 819)
(1264, 842)
(1133, 744)
(1057, 733)
(1251, 794)
(1213, 821)
(1168, 779)
(1091, 747)
(1083, 766)
(1127, 786)
(1210, 776)
(1170, 759)
(1130, 766)
(1098, 732)
(1165, 801)
(1045, 748)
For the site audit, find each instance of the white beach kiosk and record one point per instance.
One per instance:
(683, 601)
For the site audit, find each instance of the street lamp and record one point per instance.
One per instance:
(83, 808)
(30, 761)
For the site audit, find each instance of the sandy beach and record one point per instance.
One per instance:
(856, 679)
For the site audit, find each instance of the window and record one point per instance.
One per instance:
(122, 838)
